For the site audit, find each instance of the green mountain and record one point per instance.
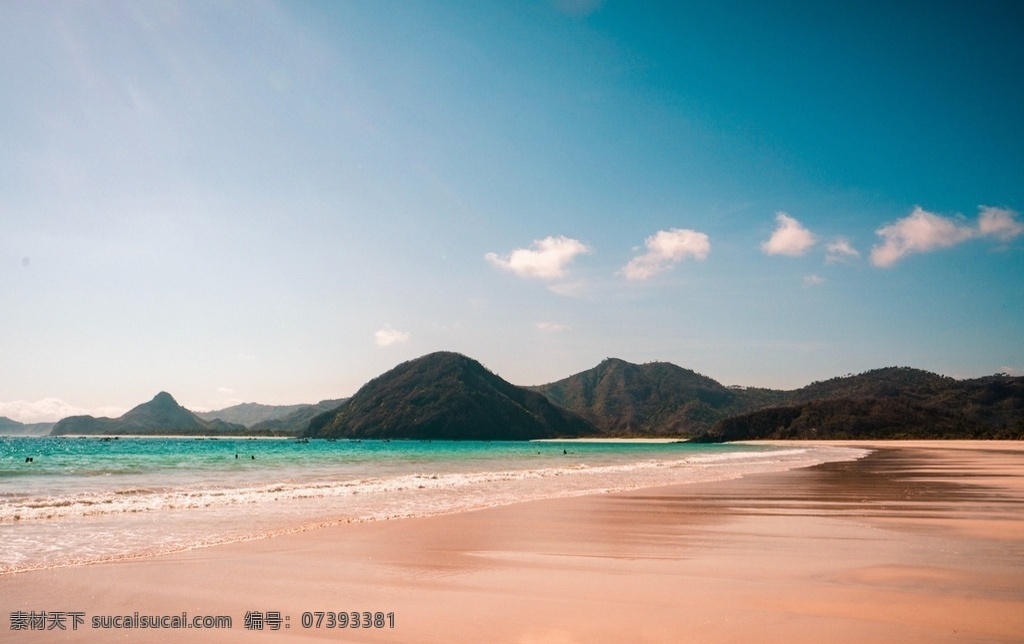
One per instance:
(10, 427)
(653, 399)
(160, 416)
(449, 396)
(887, 404)
(624, 399)
(446, 395)
(296, 422)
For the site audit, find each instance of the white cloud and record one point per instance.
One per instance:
(1000, 223)
(551, 327)
(1010, 371)
(813, 280)
(665, 248)
(50, 410)
(918, 232)
(387, 336)
(840, 250)
(790, 237)
(546, 259)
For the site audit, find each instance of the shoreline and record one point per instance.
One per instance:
(108, 525)
(613, 440)
(1006, 444)
(916, 541)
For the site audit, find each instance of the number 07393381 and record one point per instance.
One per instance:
(347, 619)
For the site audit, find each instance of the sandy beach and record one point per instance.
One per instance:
(920, 541)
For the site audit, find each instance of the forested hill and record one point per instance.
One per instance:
(652, 399)
(887, 404)
(446, 395)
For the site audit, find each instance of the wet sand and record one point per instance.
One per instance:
(919, 541)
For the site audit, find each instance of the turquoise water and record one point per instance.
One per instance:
(92, 499)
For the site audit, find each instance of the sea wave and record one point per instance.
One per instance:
(140, 499)
(51, 530)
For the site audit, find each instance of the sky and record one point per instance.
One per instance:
(275, 202)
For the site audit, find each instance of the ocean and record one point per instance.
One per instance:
(89, 499)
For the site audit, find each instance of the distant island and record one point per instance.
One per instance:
(449, 396)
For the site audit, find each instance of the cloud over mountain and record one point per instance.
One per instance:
(790, 238)
(387, 336)
(546, 259)
(922, 231)
(665, 249)
(1000, 223)
(839, 250)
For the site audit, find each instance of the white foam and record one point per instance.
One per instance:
(147, 499)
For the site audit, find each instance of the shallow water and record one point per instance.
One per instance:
(91, 499)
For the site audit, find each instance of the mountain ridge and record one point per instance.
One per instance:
(655, 398)
(448, 395)
(249, 413)
(161, 415)
(887, 402)
(890, 403)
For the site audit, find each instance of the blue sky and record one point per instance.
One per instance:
(276, 202)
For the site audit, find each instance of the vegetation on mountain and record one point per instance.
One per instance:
(878, 383)
(446, 395)
(653, 399)
(895, 403)
(160, 416)
(656, 399)
(449, 396)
